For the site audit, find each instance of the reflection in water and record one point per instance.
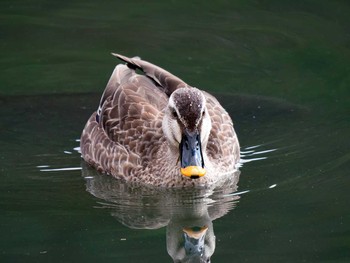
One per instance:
(186, 213)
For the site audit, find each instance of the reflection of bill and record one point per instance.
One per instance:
(194, 240)
(191, 240)
(192, 244)
(187, 214)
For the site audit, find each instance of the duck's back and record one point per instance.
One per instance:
(134, 105)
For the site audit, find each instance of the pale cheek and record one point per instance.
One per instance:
(172, 131)
(176, 131)
(206, 127)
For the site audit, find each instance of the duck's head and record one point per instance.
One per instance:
(187, 126)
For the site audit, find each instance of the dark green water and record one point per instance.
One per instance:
(280, 69)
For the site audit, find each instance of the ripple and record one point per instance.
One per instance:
(249, 151)
(61, 169)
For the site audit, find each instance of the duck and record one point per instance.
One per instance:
(152, 128)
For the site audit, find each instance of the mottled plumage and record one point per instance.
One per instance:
(136, 132)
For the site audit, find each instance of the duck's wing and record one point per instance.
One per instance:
(127, 123)
(223, 145)
(164, 79)
(131, 106)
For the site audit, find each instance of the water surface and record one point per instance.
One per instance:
(280, 69)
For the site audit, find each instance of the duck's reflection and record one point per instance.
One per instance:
(190, 236)
(186, 213)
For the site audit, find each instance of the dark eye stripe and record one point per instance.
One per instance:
(174, 113)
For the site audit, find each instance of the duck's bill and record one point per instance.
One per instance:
(193, 171)
(192, 164)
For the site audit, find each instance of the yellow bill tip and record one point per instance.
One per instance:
(193, 171)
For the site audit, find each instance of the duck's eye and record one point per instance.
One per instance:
(203, 113)
(174, 113)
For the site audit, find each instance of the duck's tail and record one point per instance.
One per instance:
(164, 79)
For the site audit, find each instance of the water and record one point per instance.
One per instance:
(281, 71)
